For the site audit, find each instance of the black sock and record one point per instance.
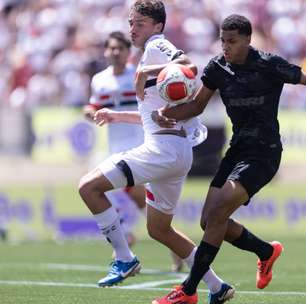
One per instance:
(204, 256)
(249, 242)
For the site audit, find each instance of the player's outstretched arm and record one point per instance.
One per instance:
(166, 117)
(105, 115)
(154, 69)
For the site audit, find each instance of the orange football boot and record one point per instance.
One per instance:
(264, 268)
(177, 296)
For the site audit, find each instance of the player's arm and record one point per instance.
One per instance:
(89, 111)
(105, 115)
(154, 69)
(167, 117)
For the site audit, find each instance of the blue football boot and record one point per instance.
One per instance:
(224, 294)
(120, 271)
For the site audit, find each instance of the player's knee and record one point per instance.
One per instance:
(153, 232)
(156, 233)
(88, 185)
(217, 215)
(85, 187)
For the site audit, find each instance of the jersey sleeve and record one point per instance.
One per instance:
(161, 52)
(284, 71)
(209, 76)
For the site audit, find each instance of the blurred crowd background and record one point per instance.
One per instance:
(49, 49)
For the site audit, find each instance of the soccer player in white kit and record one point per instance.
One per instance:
(162, 162)
(114, 88)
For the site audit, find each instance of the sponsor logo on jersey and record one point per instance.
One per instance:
(246, 102)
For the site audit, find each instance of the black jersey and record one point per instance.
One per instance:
(250, 93)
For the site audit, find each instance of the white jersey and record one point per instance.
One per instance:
(117, 92)
(159, 50)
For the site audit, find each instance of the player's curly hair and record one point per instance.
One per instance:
(237, 22)
(118, 36)
(154, 9)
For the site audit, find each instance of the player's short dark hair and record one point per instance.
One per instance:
(237, 22)
(154, 9)
(118, 36)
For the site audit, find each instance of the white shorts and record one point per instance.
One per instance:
(163, 162)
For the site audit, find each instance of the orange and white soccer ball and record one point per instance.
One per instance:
(176, 83)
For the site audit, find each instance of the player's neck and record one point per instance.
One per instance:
(243, 57)
(118, 69)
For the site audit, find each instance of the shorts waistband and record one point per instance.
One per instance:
(180, 133)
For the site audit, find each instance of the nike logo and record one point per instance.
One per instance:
(226, 68)
(221, 298)
(125, 274)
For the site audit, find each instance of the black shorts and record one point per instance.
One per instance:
(252, 169)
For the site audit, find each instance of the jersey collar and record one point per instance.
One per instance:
(156, 36)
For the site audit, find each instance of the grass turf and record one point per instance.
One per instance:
(71, 269)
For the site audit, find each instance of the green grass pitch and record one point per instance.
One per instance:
(52, 273)
(66, 272)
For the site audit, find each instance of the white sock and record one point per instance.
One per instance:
(109, 224)
(212, 281)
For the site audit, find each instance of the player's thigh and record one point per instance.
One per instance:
(95, 180)
(163, 195)
(138, 195)
(138, 166)
(224, 200)
(117, 176)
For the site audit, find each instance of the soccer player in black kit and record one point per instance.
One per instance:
(250, 83)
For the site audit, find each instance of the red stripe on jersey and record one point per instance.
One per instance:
(150, 195)
(96, 107)
(128, 94)
(103, 97)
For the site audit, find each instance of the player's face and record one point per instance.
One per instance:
(234, 46)
(116, 53)
(142, 28)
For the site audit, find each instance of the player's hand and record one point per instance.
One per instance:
(161, 120)
(104, 116)
(89, 112)
(140, 81)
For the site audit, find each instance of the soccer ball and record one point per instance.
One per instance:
(176, 83)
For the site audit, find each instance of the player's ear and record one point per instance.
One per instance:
(158, 27)
(248, 39)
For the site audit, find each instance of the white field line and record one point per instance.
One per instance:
(40, 283)
(152, 285)
(137, 287)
